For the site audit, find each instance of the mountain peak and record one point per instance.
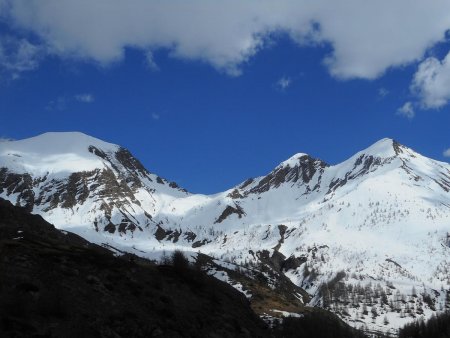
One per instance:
(56, 142)
(53, 152)
(386, 147)
(293, 160)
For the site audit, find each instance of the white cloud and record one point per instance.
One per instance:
(407, 110)
(6, 139)
(366, 37)
(283, 83)
(85, 98)
(431, 82)
(446, 153)
(155, 116)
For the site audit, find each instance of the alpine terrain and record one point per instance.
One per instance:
(367, 239)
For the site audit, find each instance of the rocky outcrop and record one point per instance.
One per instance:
(300, 173)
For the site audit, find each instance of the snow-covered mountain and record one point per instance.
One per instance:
(367, 238)
(74, 179)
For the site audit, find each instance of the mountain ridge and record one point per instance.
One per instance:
(381, 216)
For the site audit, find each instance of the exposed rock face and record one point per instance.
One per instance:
(300, 171)
(20, 185)
(293, 263)
(100, 185)
(229, 210)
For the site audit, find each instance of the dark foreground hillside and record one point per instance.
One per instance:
(58, 285)
(316, 324)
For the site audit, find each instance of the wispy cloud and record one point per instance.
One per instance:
(62, 102)
(283, 83)
(58, 104)
(407, 110)
(18, 55)
(85, 98)
(446, 153)
(150, 62)
(383, 92)
(155, 116)
(5, 139)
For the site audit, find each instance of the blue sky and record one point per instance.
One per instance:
(208, 114)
